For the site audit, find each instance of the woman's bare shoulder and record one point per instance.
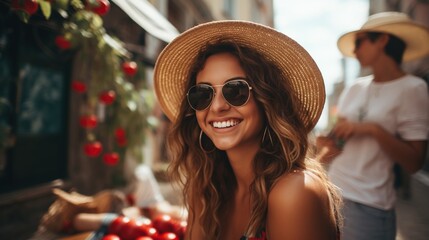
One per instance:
(298, 207)
(298, 182)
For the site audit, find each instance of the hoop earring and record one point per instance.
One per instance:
(267, 132)
(202, 146)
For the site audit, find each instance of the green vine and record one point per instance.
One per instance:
(100, 56)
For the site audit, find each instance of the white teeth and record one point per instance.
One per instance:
(225, 124)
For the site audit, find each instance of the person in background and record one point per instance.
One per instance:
(242, 98)
(383, 119)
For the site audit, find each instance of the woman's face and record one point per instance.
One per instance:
(229, 127)
(367, 51)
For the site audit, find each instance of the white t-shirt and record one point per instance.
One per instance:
(363, 171)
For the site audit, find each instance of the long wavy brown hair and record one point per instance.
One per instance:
(207, 178)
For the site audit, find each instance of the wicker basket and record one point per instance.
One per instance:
(61, 213)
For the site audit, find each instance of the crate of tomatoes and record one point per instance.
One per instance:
(161, 227)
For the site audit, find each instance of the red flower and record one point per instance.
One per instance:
(102, 8)
(30, 6)
(93, 149)
(129, 68)
(78, 86)
(88, 121)
(107, 97)
(111, 159)
(62, 42)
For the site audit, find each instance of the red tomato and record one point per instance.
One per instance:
(129, 68)
(111, 159)
(111, 237)
(31, 6)
(120, 136)
(129, 230)
(144, 238)
(144, 230)
(180, 229)
(164, 223)
(62, 42)
(119, 133)
(88, 121)
(102, 8)
(167, 236)
(107, 97)
(146, 221)
(117, 224)
(78, 86)
(121, 142)
(93, 149)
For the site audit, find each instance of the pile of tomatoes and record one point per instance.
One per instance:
(162, 227)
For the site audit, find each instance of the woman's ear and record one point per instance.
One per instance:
(383, 39)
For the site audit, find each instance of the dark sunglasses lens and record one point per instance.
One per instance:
(200, 96)
(358, 42)
(236, 92)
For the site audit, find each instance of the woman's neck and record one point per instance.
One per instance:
(387, 70)
(242, 164)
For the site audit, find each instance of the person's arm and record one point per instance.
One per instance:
(298, 208)
(326, 149)
(408, 154)
(411, 119)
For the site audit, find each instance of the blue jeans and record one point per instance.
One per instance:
(362, 222)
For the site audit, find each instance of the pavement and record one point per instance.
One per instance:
(412, 206)
(413, 210)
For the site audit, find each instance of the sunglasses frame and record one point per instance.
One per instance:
(212, 87)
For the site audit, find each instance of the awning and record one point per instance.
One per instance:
(149, 18)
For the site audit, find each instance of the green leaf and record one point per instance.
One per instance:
(77, 4)
(62, 4)
(46, 8)
(23, 16)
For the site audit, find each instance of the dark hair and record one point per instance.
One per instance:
(395, 47)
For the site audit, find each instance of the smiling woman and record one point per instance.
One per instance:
(242, 98)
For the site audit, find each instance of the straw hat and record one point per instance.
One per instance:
(174, 62)
(398, 24)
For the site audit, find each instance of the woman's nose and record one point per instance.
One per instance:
(219, 103)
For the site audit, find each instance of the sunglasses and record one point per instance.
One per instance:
(359, 41)
(236, 92)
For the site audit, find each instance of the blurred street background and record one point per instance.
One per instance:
(77, 107)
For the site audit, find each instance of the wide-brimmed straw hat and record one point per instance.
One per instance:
(415, 36)
(174, 62)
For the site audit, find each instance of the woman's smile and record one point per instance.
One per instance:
(225, 123)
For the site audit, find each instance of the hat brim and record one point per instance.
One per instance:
(416, 38)
(174, 62)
